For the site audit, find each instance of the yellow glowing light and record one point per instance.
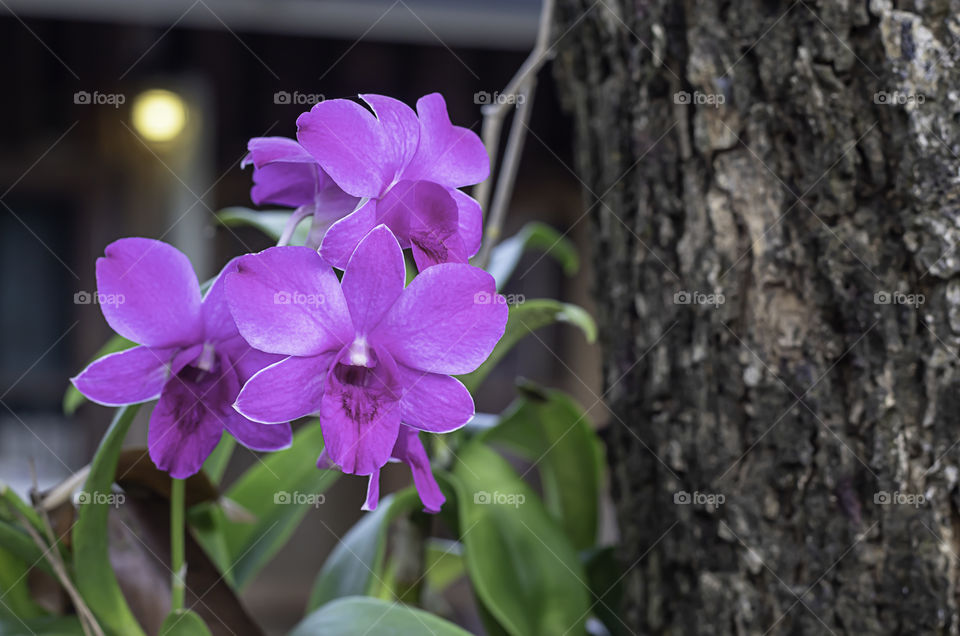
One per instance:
(159, 115)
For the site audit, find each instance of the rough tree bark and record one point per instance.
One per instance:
(802, 398)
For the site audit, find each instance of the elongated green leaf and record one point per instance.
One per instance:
(270, 222)
(216, 464)
(15, 599)
(505, 256)
(42, 626)
(356, 615)
(524, 318)
(73, 398)
(93, 573)
(522, 566)
(388, 585)
(548, 428)
(184, 623)
(14, 512)
(207, 522)
(278, 490)
(18, 543)
(451, 517)
(444, 563)
(13, 509)
(353, 566)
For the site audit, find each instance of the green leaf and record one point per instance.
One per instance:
(207, 522)
(524, 318)
(42, 626)
(353, 566)
(270, 222)
(605, 574)
(505, 256)
(18, 543)
(216, 463)
(93, 573)
(355, 615)
(410, 267)
(268, 490)
(522, 566)
(183, 622)
(548, 428)
(13, 537)
(72, 399)
(12, 508)
(15, 598)
(444, 563)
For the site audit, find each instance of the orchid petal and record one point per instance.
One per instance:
(287, 300)
(287, 184)
(189, 419)
(446, 154)
(267, 150)
(324, 462)
(410, 450)
(433, 402)
(343, 236)
(245, 360)
(285, 391)
(360, 412)
(447, 320)
(374, 278)
(470, 220)
(257, 436)
(149, 293)
(218, 324)
(127, 377)
(373, 491)
(349, 144)
(425, 215)
(400, 126)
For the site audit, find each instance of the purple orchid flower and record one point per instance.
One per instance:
(367, 354)
(286, 174)
(407, 449)
(190, 355)
(407, 167)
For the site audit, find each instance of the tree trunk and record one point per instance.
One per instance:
(798, 158)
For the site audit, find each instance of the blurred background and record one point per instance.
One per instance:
(130, 118)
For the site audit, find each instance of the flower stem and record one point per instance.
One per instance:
(298, 215)
(521, 89)
(177, 565)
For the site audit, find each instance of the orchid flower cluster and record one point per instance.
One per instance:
(279, 336)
